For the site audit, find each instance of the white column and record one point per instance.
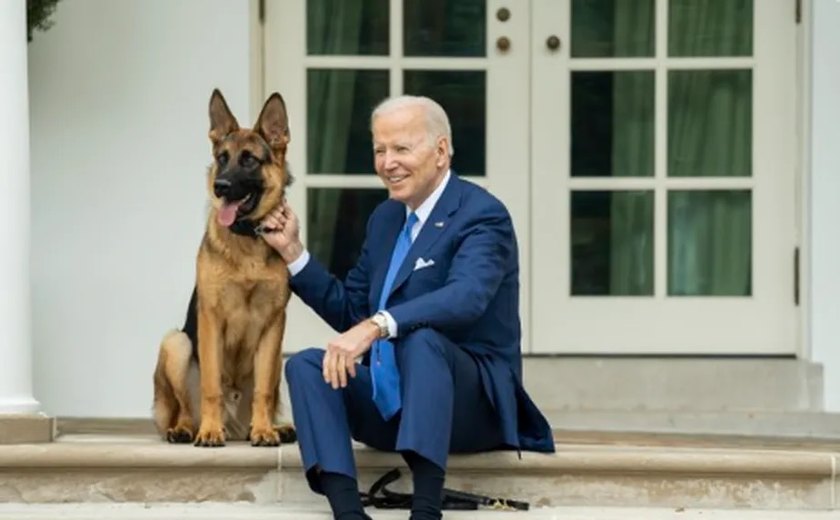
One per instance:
(15, 350)
(825, 196)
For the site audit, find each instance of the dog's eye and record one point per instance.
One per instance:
(222, 158)
(247, 160)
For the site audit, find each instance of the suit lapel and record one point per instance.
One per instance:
(433, 228)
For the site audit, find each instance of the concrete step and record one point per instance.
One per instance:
(588, 469)
(793, 425)
(667, 384)
(213, 511)
(674, 384)
(773, 425)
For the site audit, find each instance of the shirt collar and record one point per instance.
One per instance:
(425, 209)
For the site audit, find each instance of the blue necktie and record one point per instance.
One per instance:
(383, 364)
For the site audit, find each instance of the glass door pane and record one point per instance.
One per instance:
(710, 123)
(612, 123)
(612, 243)
(710, 27)
(710, 243)
(347, 27)
(613, 28)
(444, 27)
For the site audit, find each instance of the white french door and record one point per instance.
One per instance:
(334, 60)
(663, 149)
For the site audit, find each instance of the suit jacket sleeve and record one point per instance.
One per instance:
(341, 304)
(485, 253)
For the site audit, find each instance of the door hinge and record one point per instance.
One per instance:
(261, 11)
(796, 276)
(798, 11)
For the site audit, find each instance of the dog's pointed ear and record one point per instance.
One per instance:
(273, 123)
(222, 121)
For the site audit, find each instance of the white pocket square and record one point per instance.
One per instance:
(421, 264)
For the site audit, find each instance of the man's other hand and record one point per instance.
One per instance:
(282, 232)
(342, 352)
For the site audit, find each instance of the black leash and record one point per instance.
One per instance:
(380, 497)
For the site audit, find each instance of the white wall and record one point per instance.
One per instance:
(825, 196)
(118, 98)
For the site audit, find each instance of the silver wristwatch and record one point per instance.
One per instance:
(381, 321)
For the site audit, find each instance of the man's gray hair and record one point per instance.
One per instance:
(437, 122)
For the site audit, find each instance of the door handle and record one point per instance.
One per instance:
(503, 43)
(552, 42)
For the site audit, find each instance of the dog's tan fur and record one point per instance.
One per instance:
(242, 292)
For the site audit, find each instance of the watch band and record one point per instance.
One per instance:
(381, 321)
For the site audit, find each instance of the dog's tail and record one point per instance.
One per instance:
(172, 367)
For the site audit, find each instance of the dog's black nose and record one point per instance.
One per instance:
(221, 187)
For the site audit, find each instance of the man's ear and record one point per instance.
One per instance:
(273, 123)
(442, 150)
(222, 121)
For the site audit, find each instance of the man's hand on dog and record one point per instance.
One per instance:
(282, 232)
(340, 358)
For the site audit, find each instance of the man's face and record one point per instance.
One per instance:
(410, 165)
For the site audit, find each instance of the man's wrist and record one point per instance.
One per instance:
(381, 323)
(374, 332)
(292, 252)
(299, 264)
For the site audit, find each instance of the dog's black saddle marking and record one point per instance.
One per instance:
(190, 327)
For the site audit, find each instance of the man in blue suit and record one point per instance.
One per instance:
(432, 307)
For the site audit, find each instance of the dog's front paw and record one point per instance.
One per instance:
(210, 436)
(264, 436)
(179, 435)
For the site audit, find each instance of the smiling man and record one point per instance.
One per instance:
(431, 307)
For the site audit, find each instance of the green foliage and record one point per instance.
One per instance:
(38, 14)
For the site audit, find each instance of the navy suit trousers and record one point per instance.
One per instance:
(445, 409)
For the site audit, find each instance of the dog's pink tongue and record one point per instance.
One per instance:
(227, 213)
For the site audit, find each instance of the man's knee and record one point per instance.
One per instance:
(303, 361)
(422, 343)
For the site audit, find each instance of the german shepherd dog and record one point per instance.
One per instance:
(225, 362)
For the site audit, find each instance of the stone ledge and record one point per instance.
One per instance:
(581, 459)
(96, 451)
(29, 428)
(134, 451)
(142, 468)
